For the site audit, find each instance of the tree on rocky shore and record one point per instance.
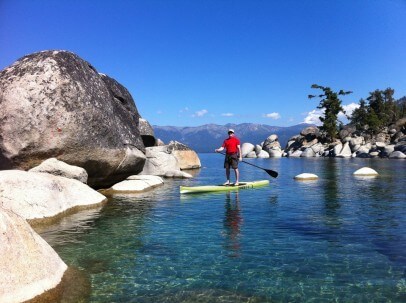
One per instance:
(332, 107)
(378, 111)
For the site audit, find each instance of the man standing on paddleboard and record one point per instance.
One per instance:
(232, 146)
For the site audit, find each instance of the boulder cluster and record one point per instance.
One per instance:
(56, 105)
(390, 143)
(270, 148)
(66, 129)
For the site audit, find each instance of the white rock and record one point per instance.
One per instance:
(59, 168)
(365, 171)
(251, 155)
(345, 151)
(258, 149)
(308, 153)
(274, 153)
(247, 148)
(295, 154)
(137, 183)
(374, 154)
(397, 155)
(178, 174)
(187, 158)
(153, 180)
(380, 145)
(306, 176)
(356, 141)
(318, 148)
(159, 161)
(28, 265)
(389, 149)
(272, 138)
(337, 149)
(36, 196)
(263, 154)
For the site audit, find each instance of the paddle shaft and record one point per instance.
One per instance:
(270, 172)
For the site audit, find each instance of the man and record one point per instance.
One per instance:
(233, 154)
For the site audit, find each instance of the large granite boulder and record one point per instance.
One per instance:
(159, 161)
(59, 168)
(28, 265)
(263, 154)
(55, 104)
(272, 146)
(397, 155)
(247, 148)
(147, 133)
(345, 151)
(40, 197)
(310, 133)
(187, 158)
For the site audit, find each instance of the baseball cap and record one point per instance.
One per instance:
(231, 130)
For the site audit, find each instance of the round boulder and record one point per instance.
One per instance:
(365, 171)
(247, 148)
(187, 158)
(59, 168)
(55, 104)
(306, 176)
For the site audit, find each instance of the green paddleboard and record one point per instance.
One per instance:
(221, 188)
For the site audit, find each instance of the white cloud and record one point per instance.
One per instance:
(274, 116)
(313, 117)
(227, 114)
(200, 113)
(186, 109)
(349, 108)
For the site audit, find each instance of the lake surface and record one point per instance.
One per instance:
(337, 239)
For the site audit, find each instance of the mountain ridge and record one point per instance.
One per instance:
(207, 137)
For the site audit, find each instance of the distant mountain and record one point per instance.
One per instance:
(208, 137)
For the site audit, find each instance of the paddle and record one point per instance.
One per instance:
(270, 172)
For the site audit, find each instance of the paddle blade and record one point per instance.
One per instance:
(272, 173)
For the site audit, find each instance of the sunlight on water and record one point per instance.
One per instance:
(339, 238)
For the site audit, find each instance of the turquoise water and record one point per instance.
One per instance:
(337, 239)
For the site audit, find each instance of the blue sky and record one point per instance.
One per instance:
(192, 62)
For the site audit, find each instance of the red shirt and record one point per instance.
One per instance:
(230, 144)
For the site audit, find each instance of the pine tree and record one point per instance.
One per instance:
(359, 116)
(332, 107)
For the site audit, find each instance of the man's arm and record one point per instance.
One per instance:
(239, 152)
(219, 149)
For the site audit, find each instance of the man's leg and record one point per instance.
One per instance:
(237, 176)
(227, 175)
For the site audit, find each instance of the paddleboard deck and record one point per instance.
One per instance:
(222, 188)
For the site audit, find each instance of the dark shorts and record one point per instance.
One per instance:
(231, 161)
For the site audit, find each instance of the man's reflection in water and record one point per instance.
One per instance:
(232, 224)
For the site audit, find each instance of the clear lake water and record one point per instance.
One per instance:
(340, 238)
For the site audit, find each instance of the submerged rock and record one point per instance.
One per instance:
(306, 176)
(136, 184)
(178, 174)
(365, 171)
